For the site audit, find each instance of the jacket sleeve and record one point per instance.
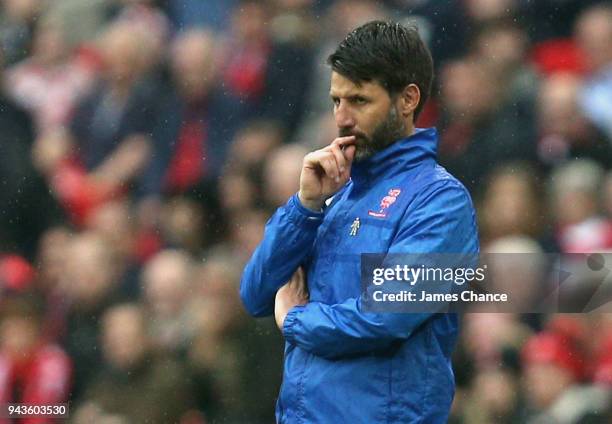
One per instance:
(287, 241)
(442, 220)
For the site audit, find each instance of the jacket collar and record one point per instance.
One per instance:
(403, 154)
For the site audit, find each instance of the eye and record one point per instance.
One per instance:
(335, 101)
(359, 100)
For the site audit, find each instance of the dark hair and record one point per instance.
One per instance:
(388, 53)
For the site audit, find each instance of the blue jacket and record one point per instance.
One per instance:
(343, 365)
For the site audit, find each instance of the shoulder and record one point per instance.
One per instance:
(440, 218)
(53, 364)
(53, 355)
(437, 185)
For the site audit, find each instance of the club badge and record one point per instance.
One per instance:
(385, 203)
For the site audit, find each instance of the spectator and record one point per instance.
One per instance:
(565, 133)
(113, 223)
(252, 144)
(196, 119)
(230, 354)
(52, 260)
(486, 348)
(51, 81)
(575, 192)
(108, 144)
(487, 10)
(511, 204)
(239, 191)
(270, 75)
(90, 282)
(185, 225)
(24, 192)
(118, 106)
(245, 232)
(518, 267)
(166, 287)
(33, 372)
(554, 370)
(503, 45)
(593, 33)
(496, 397)
(135, 385)
(478, 125)
(150, 22)
(242, 183)
(282, 174)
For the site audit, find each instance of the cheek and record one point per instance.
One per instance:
(370, 118)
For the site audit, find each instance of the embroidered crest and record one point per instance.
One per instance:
(385, 203)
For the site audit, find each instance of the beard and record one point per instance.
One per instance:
(385, 133)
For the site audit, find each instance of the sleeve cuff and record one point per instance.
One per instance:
(290, 323)
(301, 215)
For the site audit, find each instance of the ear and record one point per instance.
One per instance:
(409, 100)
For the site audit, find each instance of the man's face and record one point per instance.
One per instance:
(367, 112)
(124, 339)
(18, 336)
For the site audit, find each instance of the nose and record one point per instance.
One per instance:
(343, 116)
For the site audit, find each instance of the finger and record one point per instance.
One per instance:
(324, 161)
(340, 158)
(347, 151)
(344, 141)
(330, 166)
(349, 154)
(312, 161)
(340, 142)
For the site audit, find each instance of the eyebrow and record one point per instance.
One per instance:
(349, 95)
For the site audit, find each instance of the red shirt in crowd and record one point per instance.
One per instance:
(42, 379)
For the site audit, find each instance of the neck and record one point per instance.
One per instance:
(409, 128)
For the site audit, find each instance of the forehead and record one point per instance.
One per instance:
(344, 87)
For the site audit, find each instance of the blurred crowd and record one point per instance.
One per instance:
(144, 144)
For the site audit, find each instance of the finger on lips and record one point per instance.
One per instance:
(333, 159)
(343, 142)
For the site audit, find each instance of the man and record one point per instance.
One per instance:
(135, 385)
(593, 31)
(24, 192)
(33, 371)
(342, 364)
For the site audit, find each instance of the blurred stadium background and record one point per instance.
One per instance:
(144, 144)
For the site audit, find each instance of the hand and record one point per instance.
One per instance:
(126, 161)
(325, 171)
(51, 149)
(291, 294)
